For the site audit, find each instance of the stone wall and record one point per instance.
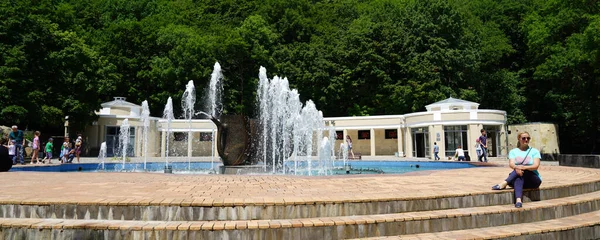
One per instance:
(544, 136)
(579, 160)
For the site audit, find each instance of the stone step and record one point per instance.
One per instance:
(582, 226)
(289, 209)
(313, 228)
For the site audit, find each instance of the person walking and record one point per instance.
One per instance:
(349, 144)
(525, 161)
(36, 148)
(484, 148)
(18, 137)
(436, 151)
(49, 147)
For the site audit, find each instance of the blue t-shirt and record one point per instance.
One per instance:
(521, 157)
(436, 148)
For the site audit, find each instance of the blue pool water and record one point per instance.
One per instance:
(357, 167)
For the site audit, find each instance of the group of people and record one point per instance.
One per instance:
(16, 142)
(480, 149)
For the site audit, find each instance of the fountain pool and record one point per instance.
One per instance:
(355, 167)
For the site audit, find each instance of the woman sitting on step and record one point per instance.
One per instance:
(524, 160)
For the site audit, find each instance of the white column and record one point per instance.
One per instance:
(163, 145)
(214, 135)
(399, 135)
(432, 136)
(372, 142)
(409, 143)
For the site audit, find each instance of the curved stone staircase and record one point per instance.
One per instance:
(569, 211)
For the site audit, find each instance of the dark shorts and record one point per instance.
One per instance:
(49, 155)
(461, 158)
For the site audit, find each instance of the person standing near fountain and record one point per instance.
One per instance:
(349, 144)
(18, 137)
(78, 144)
(49, 147)
(36, 148)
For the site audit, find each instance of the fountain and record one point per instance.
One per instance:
(344, 153)
(145, 118)
(283, 129)
(102, 154)
(214, 92)
(168, 114)
(187, 104)
(332, 141)
(214, 105)
(325, 157)
(124, 139)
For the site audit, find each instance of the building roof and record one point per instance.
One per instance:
(119, 102)
(449, 103)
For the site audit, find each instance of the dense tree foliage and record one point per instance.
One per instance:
(537, 60)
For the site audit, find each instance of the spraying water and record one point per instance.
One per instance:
(325, 156)
(292, 130)
(332, 143)
(285, 127)
(168, 114)
(187, 104)
(344, 153)
(124, 139)
(102, 154)
(213, 105)
(146, 123)
(214, 91)
(263, 88)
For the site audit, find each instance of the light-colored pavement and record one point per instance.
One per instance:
(166, 189)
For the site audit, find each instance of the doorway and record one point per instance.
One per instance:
(112, 141)
(420, 142)
(493, 140)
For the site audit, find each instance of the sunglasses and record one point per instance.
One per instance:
(525, 138)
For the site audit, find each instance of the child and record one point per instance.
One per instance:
(49, 150)
(36, 148)
(64, 152)
(478, 149)
(78, 147)
(12, 151)
(460, 153)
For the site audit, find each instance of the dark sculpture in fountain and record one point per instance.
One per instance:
(237, 140)
(234, 139)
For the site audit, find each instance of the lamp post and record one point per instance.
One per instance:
(66, 126)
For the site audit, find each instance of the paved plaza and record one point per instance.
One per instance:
(439, 204)
(229, 190)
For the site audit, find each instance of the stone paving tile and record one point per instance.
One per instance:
(248, 190)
